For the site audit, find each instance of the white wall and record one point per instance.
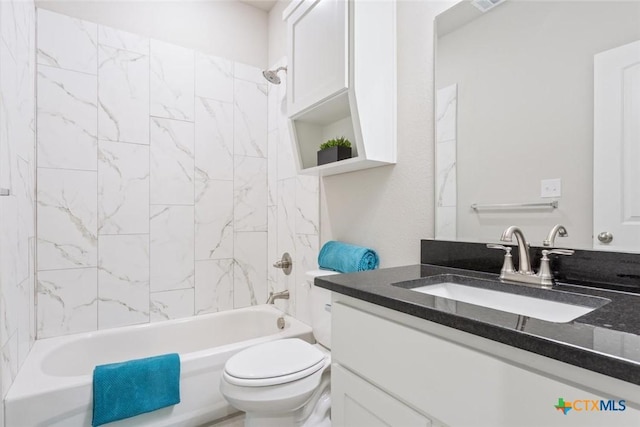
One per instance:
(525, 110)
(225, 28)
(277, 32)
(391, 208)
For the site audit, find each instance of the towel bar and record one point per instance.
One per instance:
(552, 205)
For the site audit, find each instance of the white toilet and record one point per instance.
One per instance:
(286, 383)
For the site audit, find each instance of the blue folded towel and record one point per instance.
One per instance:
(123, 390)
(347, 258)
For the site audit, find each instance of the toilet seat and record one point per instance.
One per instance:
(273, 363)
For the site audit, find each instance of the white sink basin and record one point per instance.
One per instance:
(551, 311)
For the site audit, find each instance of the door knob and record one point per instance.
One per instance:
(605, 237)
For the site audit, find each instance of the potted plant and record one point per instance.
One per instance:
(334, 150)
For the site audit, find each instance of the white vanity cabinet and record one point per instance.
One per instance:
(452, 378)
(355, 403)
(341, 81)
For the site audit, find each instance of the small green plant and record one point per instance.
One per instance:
(336, 142)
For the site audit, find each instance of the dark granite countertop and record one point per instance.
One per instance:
(606, 340)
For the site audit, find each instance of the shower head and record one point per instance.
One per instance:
(272, 75)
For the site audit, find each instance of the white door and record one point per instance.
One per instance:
(616, 165)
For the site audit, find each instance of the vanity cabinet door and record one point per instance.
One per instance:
(318, 51)
(357, 403)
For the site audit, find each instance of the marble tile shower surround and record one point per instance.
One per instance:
(293, 213)
(446, 159)
(167, 186)
(17, 173)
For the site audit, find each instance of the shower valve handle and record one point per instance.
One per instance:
(285, 263)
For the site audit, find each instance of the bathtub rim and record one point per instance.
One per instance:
(31, 381)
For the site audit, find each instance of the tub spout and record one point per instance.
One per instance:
(277, 295)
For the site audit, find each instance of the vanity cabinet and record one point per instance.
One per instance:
(447, 377)
(341, 81)
(355, 402)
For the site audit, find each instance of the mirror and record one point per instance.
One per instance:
(515, 121)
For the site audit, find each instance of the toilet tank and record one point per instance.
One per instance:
(320, 303)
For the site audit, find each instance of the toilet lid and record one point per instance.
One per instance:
(274, 362)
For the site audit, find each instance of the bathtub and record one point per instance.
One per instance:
(54, 386)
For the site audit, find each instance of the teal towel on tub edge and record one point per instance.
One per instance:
(347, 258)
(123, 390)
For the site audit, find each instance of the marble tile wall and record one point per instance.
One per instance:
(292, 209)
(163, 192)
(17, 174)
(446, 193)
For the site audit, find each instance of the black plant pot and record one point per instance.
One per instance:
(333, 154)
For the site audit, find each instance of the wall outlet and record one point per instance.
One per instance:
(551, 187)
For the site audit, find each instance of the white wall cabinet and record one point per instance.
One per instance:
(342, 81)
(318, 46)
(450, 382)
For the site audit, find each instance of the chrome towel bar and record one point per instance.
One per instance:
(552, 205)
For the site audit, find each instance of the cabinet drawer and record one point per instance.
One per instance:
(357, 403)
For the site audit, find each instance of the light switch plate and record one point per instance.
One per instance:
(551, 187)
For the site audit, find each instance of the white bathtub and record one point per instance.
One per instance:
(53, 388)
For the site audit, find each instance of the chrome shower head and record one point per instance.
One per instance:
(272, 75)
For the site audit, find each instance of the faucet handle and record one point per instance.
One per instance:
(546, 252)
(544, 273)
(496, 246)
(507, 265)
(285, 263)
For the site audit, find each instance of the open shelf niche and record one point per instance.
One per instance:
(355, 94)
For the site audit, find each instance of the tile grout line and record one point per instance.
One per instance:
(233, 192)
(97, 179)
(35, 177)
(194, 182)
(149, 183)
(67, 169)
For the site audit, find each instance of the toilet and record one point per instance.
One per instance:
(286, 383)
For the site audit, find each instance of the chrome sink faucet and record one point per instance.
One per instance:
(523, 248)
(525, 274)
(557, 230)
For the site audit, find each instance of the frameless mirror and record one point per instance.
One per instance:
(527, 92)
